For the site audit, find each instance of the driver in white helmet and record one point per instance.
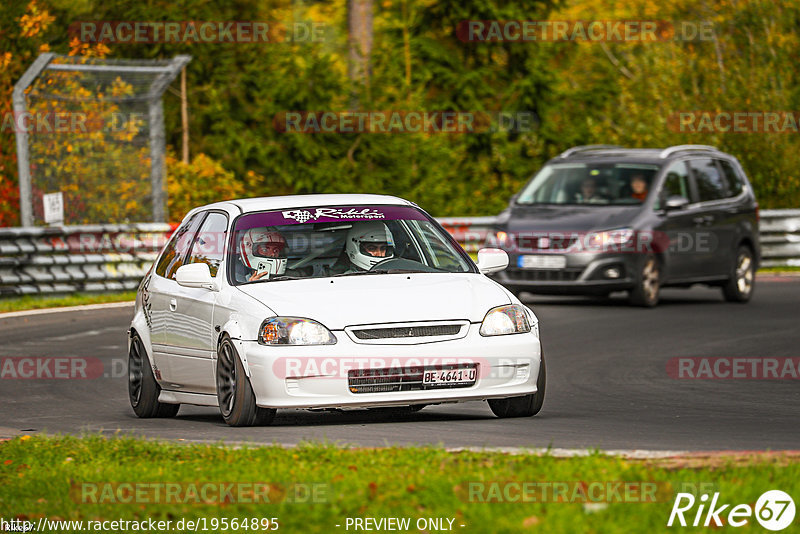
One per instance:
(367, 243)
(263, 254)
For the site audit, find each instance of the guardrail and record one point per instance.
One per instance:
(65, 259)
(106, 258)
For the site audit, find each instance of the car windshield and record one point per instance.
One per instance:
(596, 184)
(340, 241)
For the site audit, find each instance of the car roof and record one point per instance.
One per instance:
(658, 156)
(248, 205)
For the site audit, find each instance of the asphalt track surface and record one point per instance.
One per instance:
(608, 385)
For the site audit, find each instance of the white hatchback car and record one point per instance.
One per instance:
(330, 302)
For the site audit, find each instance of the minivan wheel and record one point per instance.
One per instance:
(143, 390)
(647, 284)
(237, 403)
(525, 406)
(742, 279)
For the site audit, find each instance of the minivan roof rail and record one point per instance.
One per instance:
(681, 148)
(584, 148)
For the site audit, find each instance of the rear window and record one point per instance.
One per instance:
(732, 178)
(709, 181)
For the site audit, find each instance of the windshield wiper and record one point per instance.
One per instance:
(356, 273)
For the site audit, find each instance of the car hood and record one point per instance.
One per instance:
(567, 218)
(381, 298)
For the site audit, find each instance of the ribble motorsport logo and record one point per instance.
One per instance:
(774, 510)
(303, 216)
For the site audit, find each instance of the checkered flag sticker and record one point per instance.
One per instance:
(300, 216)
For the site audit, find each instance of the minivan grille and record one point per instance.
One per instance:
(544, 275)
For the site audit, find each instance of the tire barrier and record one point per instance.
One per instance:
(66, 259)
(114, 257)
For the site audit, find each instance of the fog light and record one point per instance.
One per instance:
(613, 272)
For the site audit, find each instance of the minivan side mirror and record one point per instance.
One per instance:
(676, 202)
(195, 275)
(492, 260)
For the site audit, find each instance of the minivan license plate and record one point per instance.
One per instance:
(542, 261)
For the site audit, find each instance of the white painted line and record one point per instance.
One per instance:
(85, 307)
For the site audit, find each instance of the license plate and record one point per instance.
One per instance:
(449, 377)
(542, 261)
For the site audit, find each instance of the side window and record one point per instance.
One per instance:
(177, 247)
(710, 185)
(676, 183)
(209, 245)
(732, 178)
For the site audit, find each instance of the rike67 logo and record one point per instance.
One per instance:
(774, 510)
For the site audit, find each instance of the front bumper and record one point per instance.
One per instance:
(317, 376)
(584, 273)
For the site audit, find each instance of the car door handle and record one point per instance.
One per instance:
(704, 220)
(173, 305)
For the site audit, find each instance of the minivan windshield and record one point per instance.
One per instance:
(595, 184)
(340, 241)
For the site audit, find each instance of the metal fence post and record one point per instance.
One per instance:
(158, 170)
(23, 160)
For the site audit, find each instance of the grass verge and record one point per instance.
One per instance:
(35, 302)
(313, 488)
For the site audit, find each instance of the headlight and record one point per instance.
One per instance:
(609, 238)
(503, 320)
(294, 331)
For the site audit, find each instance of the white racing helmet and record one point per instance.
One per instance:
(364, 238)
(264, 250)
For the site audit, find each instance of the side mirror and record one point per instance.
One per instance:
(195, 275)
(675, 202)
(492, 260)
(513, 200)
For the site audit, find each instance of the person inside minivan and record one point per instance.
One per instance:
(638, 187)
(588, 193)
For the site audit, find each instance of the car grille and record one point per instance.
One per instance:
(408, 331)
(544, 275)
(387, 380)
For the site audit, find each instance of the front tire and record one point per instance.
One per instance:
(648, 284)
(237, 403)
(525, 406)
(742, 280)
(143, 390)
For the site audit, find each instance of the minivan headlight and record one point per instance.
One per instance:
(610, 238)
(503, 320)
(294, 331)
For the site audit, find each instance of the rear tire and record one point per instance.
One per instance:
(143, 390)
(647, 284)
(237, 403)
(525, 406)
(742, 278)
